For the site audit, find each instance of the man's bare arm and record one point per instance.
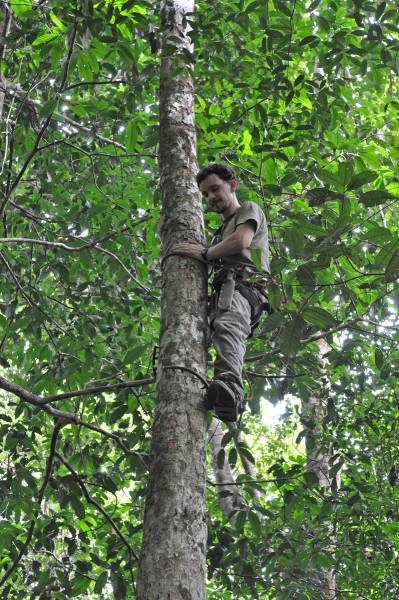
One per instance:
(233, 244)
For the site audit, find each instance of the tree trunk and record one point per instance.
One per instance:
(319, 461)
(5, 30)
(234, 501)
(247, 465)
(172, 561)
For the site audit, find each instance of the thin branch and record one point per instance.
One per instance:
(46, 479)
(100, 389)
(91, 500)
(25, 165)
(275, 480)
(63, 417)
(317, 336)
(99, 82)
(69, 55)
(47, 244)
(65, 247)
(380, 324)
(263, 376)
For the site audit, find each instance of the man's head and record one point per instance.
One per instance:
(223, 171)
(218, 185)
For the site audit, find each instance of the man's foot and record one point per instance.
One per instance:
(226, 398)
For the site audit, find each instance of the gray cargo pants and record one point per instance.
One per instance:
(229, 330)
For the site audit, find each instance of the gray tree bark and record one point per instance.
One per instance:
(230, 499)
(5, 30)
(319, 461)
(172, 561)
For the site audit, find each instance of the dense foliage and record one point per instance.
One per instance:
(302, 99)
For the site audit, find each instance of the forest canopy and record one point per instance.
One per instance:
(301, 99)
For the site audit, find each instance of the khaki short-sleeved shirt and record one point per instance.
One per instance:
(249, 211)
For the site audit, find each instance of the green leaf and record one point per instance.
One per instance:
(48, 108)
(44, 38)
(361, 179)
(291, 335)
(375, 197)
(221, 457)
(232, 457)
(309, 40)
(255, 523)
(345, 172)
(327, 177)
(380, 10)
(101, 582)
(392, 268)
(272, 322)
(378, 357)
(228, 436)
(80, 585)
(306, 277)
(245, 452)
(277, 265)
(131, 137)
(240, 520)
(319, 317)
(119, 585)
(377, 235)
(295, 241)
(20, 7)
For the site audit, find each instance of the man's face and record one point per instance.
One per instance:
(218, 193)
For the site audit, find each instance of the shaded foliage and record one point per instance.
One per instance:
(302, 99)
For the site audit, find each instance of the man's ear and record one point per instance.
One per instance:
(233, 185)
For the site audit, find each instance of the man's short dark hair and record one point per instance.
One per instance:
(223, 171)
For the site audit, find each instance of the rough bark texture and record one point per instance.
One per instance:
(5, 30)
(232, 502)
(172, 561)
(319, 457)
(247, 465)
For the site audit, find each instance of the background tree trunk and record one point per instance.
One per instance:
(234, 501)
(172, 562)
(319, 456)
(5, 30)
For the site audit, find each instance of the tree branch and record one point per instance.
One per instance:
(99, 389)
(65, 247)
(63, 416)
(99, 82)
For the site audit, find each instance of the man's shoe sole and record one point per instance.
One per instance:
(223, 400)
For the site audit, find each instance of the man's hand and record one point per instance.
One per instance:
(188, 249)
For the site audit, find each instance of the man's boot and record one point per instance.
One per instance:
(226, 397)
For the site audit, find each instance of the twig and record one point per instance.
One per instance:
(46, 479)
(275, 480)
(100, 389)
(99, 82)
(47, 244)
(91, 500)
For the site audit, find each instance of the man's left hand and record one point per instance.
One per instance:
(188, 249)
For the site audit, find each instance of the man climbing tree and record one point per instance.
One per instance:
(239, 256)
